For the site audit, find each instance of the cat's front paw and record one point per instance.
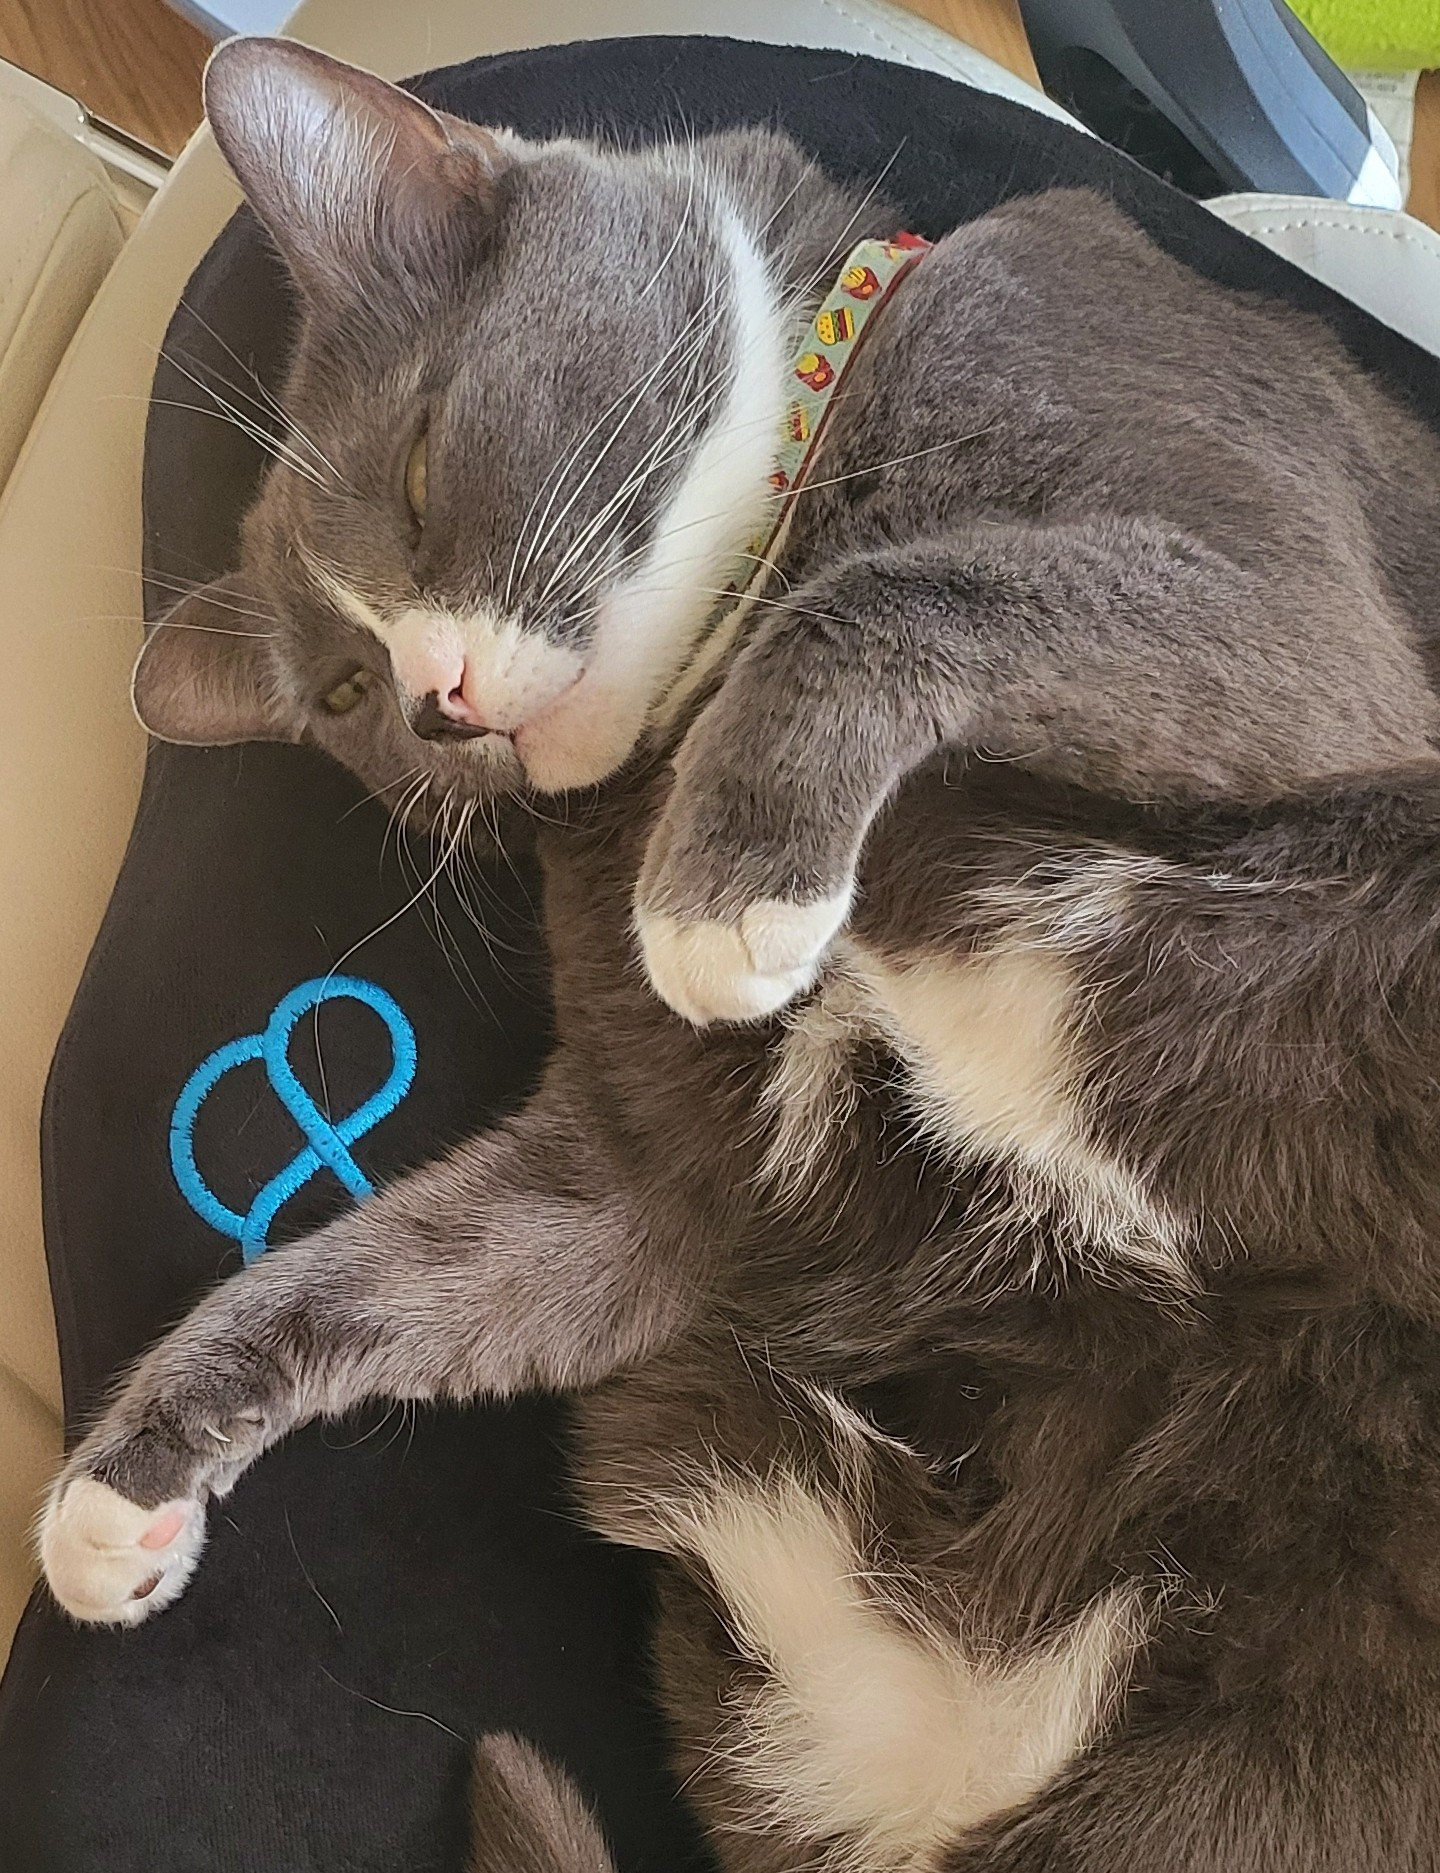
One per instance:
(109, 1560)
(124, 1524)
(709, 969)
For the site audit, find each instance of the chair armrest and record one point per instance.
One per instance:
(395, 40)
(1387, 262)
(59, 235)
(71, 755)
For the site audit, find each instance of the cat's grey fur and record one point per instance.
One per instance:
(1040, 1500)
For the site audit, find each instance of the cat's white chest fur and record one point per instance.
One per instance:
(989, 1048)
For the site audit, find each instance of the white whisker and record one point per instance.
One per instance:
(212, 630)
(261, 438)
(549, 523)
(680, 232)
(267, 397)
(274, 445)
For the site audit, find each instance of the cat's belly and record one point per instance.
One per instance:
(847, 1713)
(869, 1726)
(990, 1047)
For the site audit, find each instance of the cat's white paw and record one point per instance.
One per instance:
(711, 971)
(108, 1560)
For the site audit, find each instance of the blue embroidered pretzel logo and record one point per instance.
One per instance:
(329, 1141)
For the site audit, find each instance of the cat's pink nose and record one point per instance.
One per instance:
(456, 706)
(450, 716)
(448, 705)
(475, 675)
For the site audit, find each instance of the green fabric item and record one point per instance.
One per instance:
(1376, 35)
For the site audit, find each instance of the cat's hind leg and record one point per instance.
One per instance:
(1341, 1778)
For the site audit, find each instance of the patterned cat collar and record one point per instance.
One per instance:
(870, 275)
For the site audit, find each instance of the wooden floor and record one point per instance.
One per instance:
(138, 63)
(991, 26)
(1425, 155)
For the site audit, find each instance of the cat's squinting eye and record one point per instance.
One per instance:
(415, 478)
(343, 698)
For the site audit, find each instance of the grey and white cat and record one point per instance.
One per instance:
(1007, 1285)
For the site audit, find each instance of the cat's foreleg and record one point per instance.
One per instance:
(1122, 657)
(511, 1264)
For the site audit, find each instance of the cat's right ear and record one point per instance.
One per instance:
(361, 185)
(206, 676)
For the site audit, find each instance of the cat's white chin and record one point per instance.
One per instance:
(582, 738)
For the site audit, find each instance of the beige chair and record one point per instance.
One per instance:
(71, 431)
(68, 767)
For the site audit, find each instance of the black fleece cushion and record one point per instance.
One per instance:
(378, 1592)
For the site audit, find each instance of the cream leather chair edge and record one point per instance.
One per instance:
(71, 756)
(62, 233)
(396, 40)
(1383, 259)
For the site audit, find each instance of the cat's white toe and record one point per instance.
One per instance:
(110, 1561)
(782, 936)
(711, 971)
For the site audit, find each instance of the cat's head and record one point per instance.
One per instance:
(530, 421)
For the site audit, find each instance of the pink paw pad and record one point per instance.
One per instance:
(160, 1534)
(114, 1561)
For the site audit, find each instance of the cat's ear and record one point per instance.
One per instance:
(359, 183)
(206, 676)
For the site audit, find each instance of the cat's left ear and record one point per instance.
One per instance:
(207, 676)
(361, 185)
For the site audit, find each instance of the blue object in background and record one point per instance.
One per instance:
(329, 1142)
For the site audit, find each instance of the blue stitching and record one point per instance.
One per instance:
(328, 1144)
